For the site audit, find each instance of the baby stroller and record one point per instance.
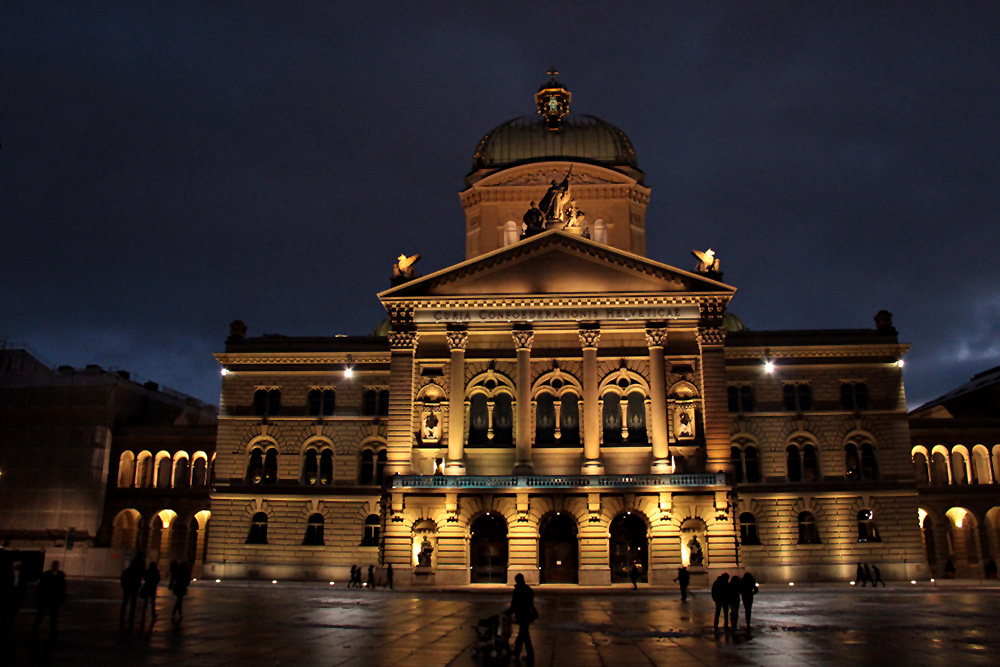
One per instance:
(493, 637)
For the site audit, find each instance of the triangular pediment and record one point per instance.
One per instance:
(556, 263)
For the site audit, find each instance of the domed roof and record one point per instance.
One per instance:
(580, 137)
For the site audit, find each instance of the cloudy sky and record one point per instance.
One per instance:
(168, 167)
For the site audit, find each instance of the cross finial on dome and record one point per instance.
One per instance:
(552, 73)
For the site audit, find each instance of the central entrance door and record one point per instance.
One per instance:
(488, 550)
(558, 550)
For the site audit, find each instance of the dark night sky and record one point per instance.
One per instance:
(169, 167)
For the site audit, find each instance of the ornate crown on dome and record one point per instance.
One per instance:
(557, 135)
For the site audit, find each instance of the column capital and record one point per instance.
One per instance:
(711, 336)
(403, 340)
(457, 340)
(656, 337)
(523, 338)
(589, 338)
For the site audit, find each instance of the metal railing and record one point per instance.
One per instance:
(552, 481)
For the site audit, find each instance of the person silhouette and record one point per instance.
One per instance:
(860, 576)
(522, 608)
(633, 574)
(181, 581)
(683, 578)
(877, 577)
(50, 594)
(150, 580)
(749, 589)
(721, 599)
(868, 576)
(388, 575)
(733, 591)
(131, 581)
(371, 577)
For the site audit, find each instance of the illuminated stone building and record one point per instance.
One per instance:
(956, 459)
(559, 404)
(96, 467)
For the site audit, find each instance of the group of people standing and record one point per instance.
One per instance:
(139, 582)
(356, 571)
(727, 592)
(869, 573)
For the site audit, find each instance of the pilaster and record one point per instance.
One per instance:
(523, 339)
(400, 429)
(457, 341)
(715, 405)
(589, 338)
(656, 340)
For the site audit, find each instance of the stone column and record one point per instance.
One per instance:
(656, 339)
(715, 404)
(591, 410)
(522, 343)
(199, 551)
(399, 458)
(456, 403)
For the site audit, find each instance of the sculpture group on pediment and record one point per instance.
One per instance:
(556, 210)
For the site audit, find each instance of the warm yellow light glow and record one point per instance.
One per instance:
(899, 363)
(225, 372)
(218, 581)
(768, 366)
(921, 515)
(331, 583)
(348, 372)
(932, 581)
(274, 581)
(791, 583)
(913, 581)
(854, 583)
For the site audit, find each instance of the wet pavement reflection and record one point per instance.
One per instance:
(312, 624)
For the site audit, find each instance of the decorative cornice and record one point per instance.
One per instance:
(457, 340)
(298, 358)
(403, 340)
(656, 337)
(523, 339)
(889, 352)
(638, 300)
(589, 338)
(711, 336)
(545, 177)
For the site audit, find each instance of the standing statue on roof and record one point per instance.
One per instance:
(553, 204)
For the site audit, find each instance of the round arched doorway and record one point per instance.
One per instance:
(628, 546)
(558, 550)
(488, 550)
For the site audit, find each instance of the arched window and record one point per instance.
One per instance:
(258, 529)
(810, 464)
(745, 463)
(271, 466)
(503, 420)
(366, 475)
(310, 467)
(939, 468)
(752, 463)
(371, 534)
(920, 468)
(164, 468)
(569, 419)
(326, 467)
(144, 480)
(852, 463)
(199, 472)
(322, 402)
(479, 420)
(808, 533)
(314, 531)
(748, 529)
(255, 466)
(635, 414)
(380, 461)
(126, 470)
(958, 468)
(182, 473)
(545, 419)
(266, 402)
(869, 466)
(794, 464)
(980, 465)
(867, 532)
(612, 418)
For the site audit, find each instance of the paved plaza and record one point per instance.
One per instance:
(243, 624)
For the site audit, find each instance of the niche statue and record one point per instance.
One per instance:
(424, 557)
